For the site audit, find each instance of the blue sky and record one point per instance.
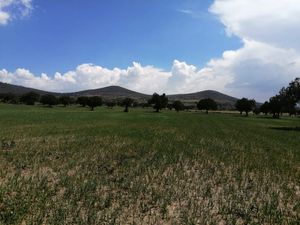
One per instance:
(242, 48)
(58, 36)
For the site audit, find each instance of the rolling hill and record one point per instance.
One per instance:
(111, 92)
(18, 90)
(225, 101)
(116, 92)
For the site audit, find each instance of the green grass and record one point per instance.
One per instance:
(73, 166)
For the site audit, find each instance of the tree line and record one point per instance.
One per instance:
(157, 102)
(284, 102)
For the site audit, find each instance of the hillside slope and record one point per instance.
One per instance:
(117, 92)
(18, 90)
(111, 92)
(224, 101)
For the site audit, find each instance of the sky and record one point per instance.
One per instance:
(239, 47)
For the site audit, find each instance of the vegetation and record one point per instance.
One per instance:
(285, 101)
(178, 106)
(110, 104)
(264, 108)
(49, 100)
(94, 101)
(207, 104)
(66, 100)
(127, 102)
(9, 98)
(70, 166)
(30, 98)
(82, 100)
(117, 93)
(245, 105)
(158, 102)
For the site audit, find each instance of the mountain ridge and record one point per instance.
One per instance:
(117, 92)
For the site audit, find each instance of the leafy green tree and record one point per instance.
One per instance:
(285, 101)
(207, 104)
(49, 100)
(245, 105)
(178, 106)
(9, 98)
(30, 98)
(110, 104)
(293, 90)
(82, 100)
(275, 106)
(94, 102)
(256, 110)
(288, 100)
(158, 101)
(264, 108)
(65, 100)
(144, 104)
(127, 102)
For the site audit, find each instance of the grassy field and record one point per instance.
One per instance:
(74, 166)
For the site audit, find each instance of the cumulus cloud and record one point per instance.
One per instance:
(148, 79)
(258, 70)
(12, 9)
(268, 59)
(268, 21)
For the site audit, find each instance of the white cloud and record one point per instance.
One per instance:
(258, 70)
(146, 79)
(4, 17)
(12, 9)
(268, 21)
(270, 57)
(268, 60)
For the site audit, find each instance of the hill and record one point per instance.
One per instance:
(111, 92)
(116, 92)
(19, 90)
(225, 101)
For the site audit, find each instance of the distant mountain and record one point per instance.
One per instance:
(111, 92)
(116, 92)
(217, 96)
(225, 101)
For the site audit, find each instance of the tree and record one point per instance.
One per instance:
(170, 106)
(293, 89)
(288, 99)
(256, 110)
(9, 98)
(275, 106)
(49, 100)
(178, 106)
(65, 100)
(264, 108)
(284, 102)
(110, 104)
(83, 101)
(245, 105)
(30, 98)
(158, 101)
(145, 105)
(127, 102)
(94, 102)
(207, 104)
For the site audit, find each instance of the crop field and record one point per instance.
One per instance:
(74, 166)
